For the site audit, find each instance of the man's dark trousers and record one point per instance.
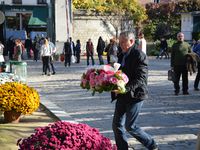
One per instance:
(181, 70)
(132, 109)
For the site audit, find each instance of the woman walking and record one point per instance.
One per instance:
(46, 54)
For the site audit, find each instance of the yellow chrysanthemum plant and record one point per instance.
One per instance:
(18, 97)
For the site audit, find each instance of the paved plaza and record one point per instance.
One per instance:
(174, 121)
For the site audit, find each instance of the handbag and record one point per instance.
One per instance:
(171, 75)
(62, 57)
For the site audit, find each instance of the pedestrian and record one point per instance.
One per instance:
(134, 65)
(178, 63)
(113, 51)
(10, 44)
(36, 49)
(5, 53)
(72, 45)
(28, 46)
(107, 49)
(67, 52)
(90, 51)
(18, 50)
(78, 51)
(1, 52)
(100, 50)
(142, 43)
(45, 54)
(196, 50)
(194, 44)
(163, 49)
(53, 51)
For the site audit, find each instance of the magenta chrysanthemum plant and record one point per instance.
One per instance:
(66, 136)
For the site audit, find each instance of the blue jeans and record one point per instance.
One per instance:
(126, 114)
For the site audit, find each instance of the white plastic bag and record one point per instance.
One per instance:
(73, 59)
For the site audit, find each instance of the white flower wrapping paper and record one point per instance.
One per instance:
(8, 77)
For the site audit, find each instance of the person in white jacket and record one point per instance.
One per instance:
(46, 54)
(1, 52)
(53, 51)
(142, 43)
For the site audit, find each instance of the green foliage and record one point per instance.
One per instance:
(165, 19)
(162, 30)
(196, 35)
(168, 13)
(188, 6)
(127, 8)
(149, 30)
(152, 49)
(170, 43)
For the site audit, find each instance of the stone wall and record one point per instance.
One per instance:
(85, 27)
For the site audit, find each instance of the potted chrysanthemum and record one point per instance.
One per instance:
(66, 136)
(17, 98)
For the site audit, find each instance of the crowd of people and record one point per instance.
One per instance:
(40, 46)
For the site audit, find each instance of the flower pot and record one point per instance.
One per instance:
(11, 116)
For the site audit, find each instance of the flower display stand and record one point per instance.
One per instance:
(11, 116)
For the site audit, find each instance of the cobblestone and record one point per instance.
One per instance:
(174, 121)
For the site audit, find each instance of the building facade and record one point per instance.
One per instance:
(24, 18)
(52, 18)
(63, 22)
(190, 24)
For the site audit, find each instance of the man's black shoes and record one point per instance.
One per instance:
(186, 93)
(176, 93)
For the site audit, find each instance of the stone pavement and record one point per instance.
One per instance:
(174, 121)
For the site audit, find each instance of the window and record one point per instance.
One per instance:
(17, 1)
(42, 1)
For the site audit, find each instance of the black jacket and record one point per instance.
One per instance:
(136, 68)
(67, 48)
(100, 47)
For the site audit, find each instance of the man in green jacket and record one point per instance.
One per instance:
(178, 63)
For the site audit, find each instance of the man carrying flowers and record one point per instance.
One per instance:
(128, 105)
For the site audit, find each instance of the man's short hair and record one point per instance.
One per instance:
(128, 34)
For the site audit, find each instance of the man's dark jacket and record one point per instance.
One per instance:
(67, 48)
(136, 68)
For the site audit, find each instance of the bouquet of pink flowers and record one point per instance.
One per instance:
(104, 78)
